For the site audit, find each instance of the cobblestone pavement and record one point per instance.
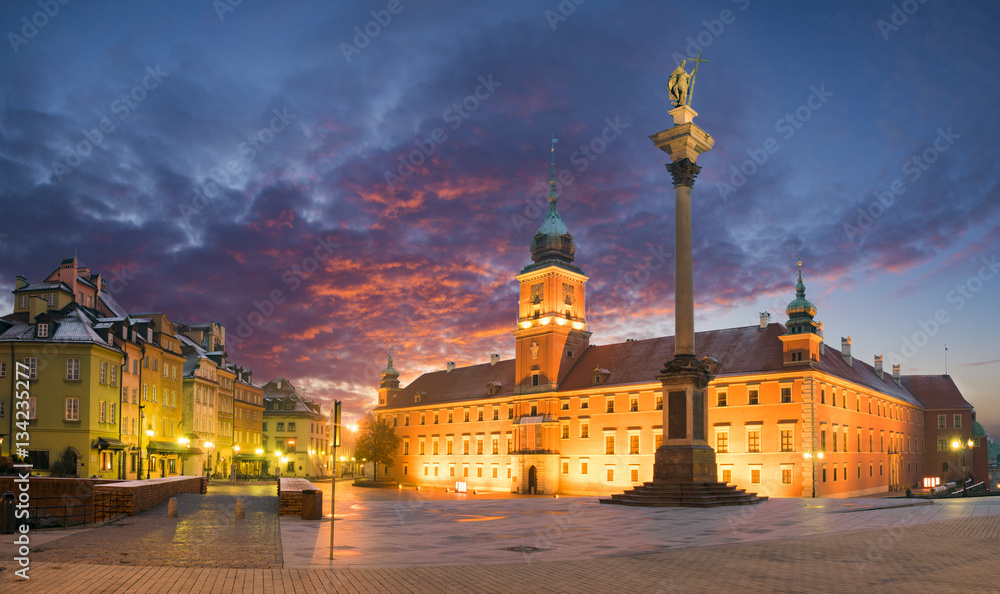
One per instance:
(205, 534)
(950, 556)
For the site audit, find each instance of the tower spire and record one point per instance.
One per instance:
(553, 197)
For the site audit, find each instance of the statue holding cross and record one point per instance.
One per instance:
(681, 84)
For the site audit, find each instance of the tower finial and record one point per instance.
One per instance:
(553, 198)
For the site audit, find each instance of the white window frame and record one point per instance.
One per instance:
(43, 330)
(72, 368)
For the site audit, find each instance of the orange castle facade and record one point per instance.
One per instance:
(789, 416)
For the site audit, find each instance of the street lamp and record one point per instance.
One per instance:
(149, 433)
(958, 445)
(809, 456)
(208, 464)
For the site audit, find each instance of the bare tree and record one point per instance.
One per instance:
(377, 441)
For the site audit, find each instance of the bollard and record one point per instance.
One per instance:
(239, 509)
(172, 508)
(312, 504)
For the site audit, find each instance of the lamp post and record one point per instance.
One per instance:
(208, 464)
(812, 458)
(958, 445)
(149, 433)
(277, 464)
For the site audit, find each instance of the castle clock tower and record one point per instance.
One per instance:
(551, 324)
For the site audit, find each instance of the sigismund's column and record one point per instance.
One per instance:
(685, 456)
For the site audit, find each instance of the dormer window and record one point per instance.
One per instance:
(417, 397)
(492, 388)
(43, 330)
(600, 376)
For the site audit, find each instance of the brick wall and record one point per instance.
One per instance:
(290, 495)
(135, 497)
(66, 498)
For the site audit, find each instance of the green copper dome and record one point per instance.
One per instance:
(801, 311)
(552, 243)
(977, 430)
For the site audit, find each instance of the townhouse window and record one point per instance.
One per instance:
(422, 419)
(420, 447)
(451, 416)
(479, 446)
(942, 445)
(3, 369)
(822, 440)
(114, 375)
(32, 364)
(786, 395)
(564, 429)
(633, 444)
(479, 415)
(835, 439)
(281, 426)
(466, 416)
(479, 471)
(166, 369)
(104, 372)
(406, 421)
(723, 398)
(111, 415)
(565, 467)
(633, 405)
(753, 441)
(657, 439)
(786, 440)
(435, 418)
(786, 474)
(510, 443)
(72, 369)
(610, 472)
(584, 403)
(449, 445)
(496, 413)
(722, 442)
(754, 398)
(465, 446)
(72, 409)
(609, 444)
(958, 421)
(584, 466)
(510, 412)
(406, 448)
(755, 474)
(43, 331)
(154, 394)
(610, 405)
(564, 406)
(434, 447)
(584, 429)
(102, 412)
(496, 446)
(659, 403)
(727, 474)
(22, 301)
(941, 422)
(145, 393)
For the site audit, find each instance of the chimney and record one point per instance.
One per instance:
(20, 282)
(449, 366)
(765, 319)
(878, 366)
(494, 358)
(845, 350)
(895, 375)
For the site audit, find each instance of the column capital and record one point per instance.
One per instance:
(683, 171)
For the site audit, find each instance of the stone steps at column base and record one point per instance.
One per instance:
(684, 495)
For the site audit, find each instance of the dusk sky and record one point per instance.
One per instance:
(379, 166)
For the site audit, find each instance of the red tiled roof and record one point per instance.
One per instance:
(461, 383)
(740, 351)
(935, 391)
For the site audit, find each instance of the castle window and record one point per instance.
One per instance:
(534, 379)
(633, 405)
(659, 402)
(754, 398)
(722, 399)
(786, 395)
(610, 404)
(753, 441)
